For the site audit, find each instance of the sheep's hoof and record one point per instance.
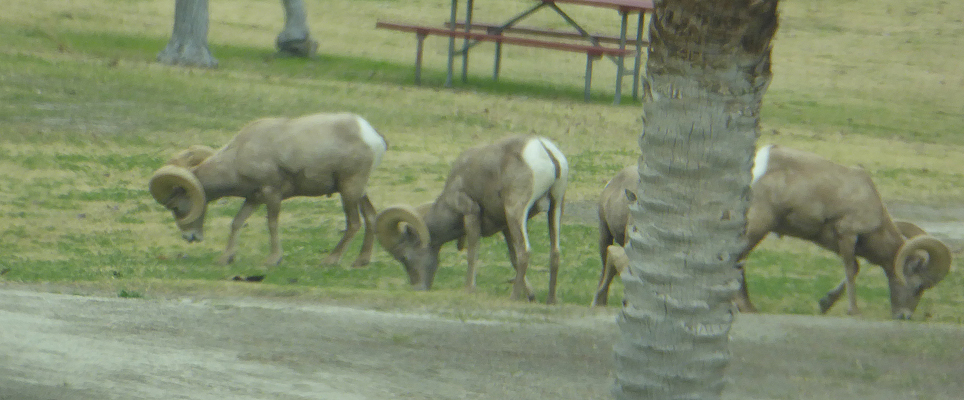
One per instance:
(824, 304)
(359, 264)
(550, 301)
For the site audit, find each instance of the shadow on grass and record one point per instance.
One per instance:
(322, 66)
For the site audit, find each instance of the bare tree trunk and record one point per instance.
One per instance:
(295, 39)
(707, 71)
(189, 39)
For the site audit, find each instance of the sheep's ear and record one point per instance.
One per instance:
(169, 202)
(631, 196)
(909, 229)
(409, 232)
(191, 157)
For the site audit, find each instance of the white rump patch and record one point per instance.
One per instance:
(536, 155)
(373, 139)
(760, 162)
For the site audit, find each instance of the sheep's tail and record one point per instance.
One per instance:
(375, 140)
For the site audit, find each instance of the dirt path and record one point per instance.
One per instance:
(72, 347)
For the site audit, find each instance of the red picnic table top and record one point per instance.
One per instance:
(622, 5)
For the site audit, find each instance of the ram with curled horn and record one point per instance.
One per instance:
(271, 160)
(490, 189)
(802, 195)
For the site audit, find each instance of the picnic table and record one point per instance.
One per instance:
(595, 46)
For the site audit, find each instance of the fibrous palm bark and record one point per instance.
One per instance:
(707, 70)
(189, 40)
(295, 39)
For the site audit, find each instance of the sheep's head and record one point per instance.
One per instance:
(178, 190)
(401, 230)
(920, 264)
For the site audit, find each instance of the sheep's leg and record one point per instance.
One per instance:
(617, 263)
(248, 208)
(554, 215)
(829, 299)
(368, 215)
(349, 204)
(518, 243)
(512, 255)
(508, 245)
(473, 231)
(759, 222)
(273, 206)
(605, 280)
(602, 289)
(847, 246)
(611, 268)
(742, 299)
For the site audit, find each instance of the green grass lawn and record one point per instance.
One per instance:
(86, 116)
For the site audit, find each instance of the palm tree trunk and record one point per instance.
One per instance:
(189, 37)
(295, 39)
(707, 70)
(189, 40)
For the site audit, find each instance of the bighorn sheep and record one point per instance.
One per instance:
(491, 188)
(268, 161)
(802, 195)
(613, 220)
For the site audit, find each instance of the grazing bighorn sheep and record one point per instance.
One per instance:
(802, 195)
(270, 160)
(491, 188)
(613, 220)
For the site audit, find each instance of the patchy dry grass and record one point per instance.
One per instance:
(87, 116)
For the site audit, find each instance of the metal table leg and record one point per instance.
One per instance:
(452, 18)
(465, 42)
(621, 61)
(637, 66)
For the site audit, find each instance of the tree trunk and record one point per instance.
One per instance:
(189, 39)
(295, 39)
(707, 70)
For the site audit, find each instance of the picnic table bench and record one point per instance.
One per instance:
(493, 29)
(592, 51)
(578, 40)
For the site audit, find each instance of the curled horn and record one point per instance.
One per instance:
(169, 177)
(938, 264)
(423, 209)
(388, 226)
